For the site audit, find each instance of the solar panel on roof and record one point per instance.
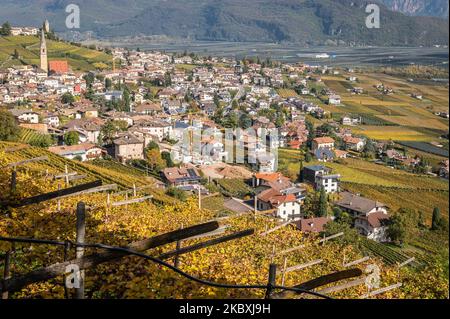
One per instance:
(191, 172)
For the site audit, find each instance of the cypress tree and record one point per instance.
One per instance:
(323, 203)
(435, 222)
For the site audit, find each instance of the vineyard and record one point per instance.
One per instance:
(287, 93)
(124, 177)
(389, 255)
(234, 187)
(33, 137)
(241, 261)
(79, 58)
(425, 147)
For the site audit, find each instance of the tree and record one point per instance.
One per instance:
(89, 78)
(350, 236)
(152, 146)
(168, 158)
(126, 100)
(9, 130)
(437, 222)
(67, 98)
(323, 204)
(370, 149)
(44, 142)
(108, 132)
(108, 83)
(245, 121)
(308, 157)
(421, 222)
(177, 193)
(155, 162)
(403, 226)
(216, 100)
(167, 79)
(397, 230)
(71, 138)
(5, 30)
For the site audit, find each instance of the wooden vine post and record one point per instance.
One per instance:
(81, 234)
(13, 181)
(6, 272)
(272, 280)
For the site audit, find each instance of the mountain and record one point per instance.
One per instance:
(434, 8)
(296, 21)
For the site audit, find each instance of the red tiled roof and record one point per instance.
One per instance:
(275, 198)
(58, 66)
(376, 220)
(323, 140)
(352, 140)
(312, 225)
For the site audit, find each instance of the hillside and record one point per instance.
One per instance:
(79, 58)
(296, 21)
(435, 8)
(107, 172)
(241, 261)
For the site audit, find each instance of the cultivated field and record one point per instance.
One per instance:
(79, 58)
(397, 116)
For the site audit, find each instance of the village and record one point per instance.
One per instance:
(140, 113)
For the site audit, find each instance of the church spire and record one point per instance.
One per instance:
(44, 61)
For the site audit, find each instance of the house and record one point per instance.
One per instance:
(354, 143)
(287, 207)
(321, 177)
(271, 180)
(349, 121)
(324, 155)
(312, 225)
(418, 96)
(373, 226)
(370, 217)
(340, 154)
(88, 112)
(148, 108)
(128, 147)
(50, 119)
(357, 205)
(26, 116)
(265, 162)
(328, 182)
(443, 170)
(157, 128)
(183, 176)
(214, 150)
(113, 95)
(323, 142)
(88, 129)
(58, 67)
(85, 151)
(334, 99)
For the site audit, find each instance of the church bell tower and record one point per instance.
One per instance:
(44, 60)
